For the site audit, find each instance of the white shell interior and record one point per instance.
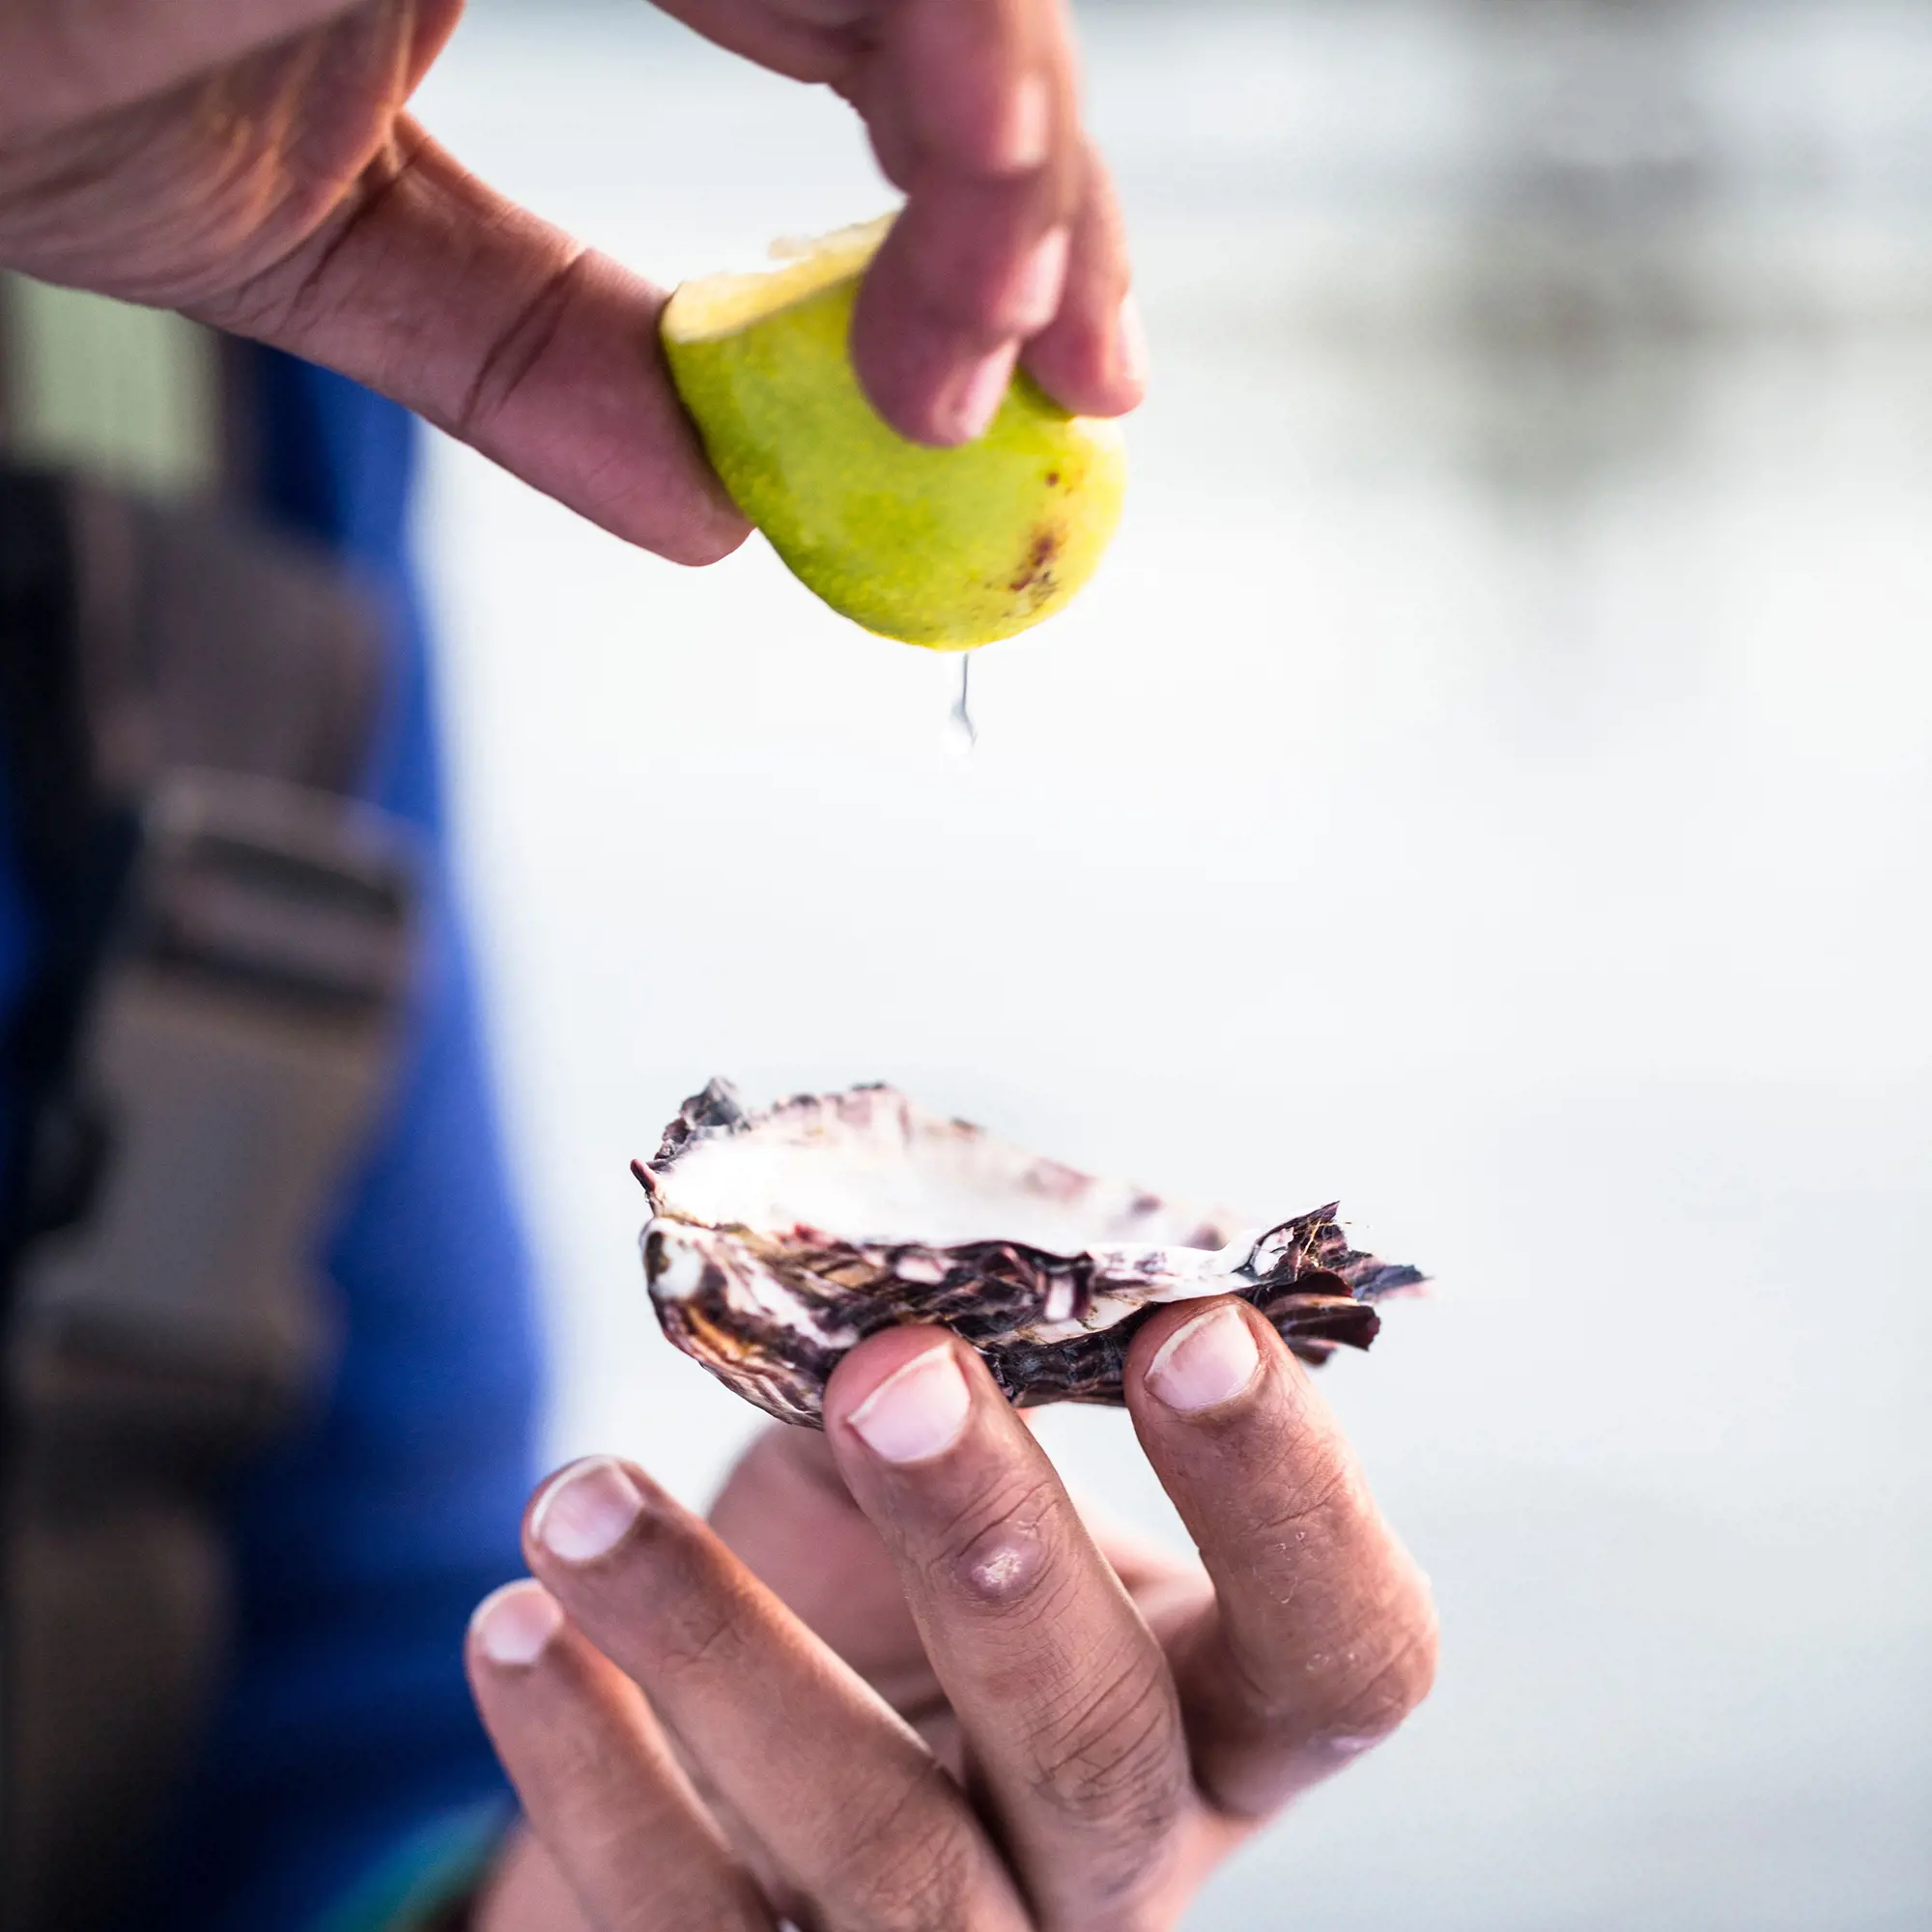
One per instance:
(872, 1166)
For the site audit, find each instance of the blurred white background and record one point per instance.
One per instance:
(1490, 782)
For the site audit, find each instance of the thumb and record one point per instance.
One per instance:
(431, 286)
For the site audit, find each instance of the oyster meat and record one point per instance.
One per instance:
(780, 1238)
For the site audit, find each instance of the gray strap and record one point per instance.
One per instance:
(238, 1045)
(205, 642)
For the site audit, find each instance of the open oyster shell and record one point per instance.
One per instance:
(781, 1239)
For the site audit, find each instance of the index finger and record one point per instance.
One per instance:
(1056, 1682)
(1323, 1635)
(974, 110)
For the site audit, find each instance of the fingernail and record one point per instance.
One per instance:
(978, 394)
(1023, 136)
(917, 1411)
(1131, 346)
(1210, 1360)
(513, 1625)
(586, 1511)
(1037, 282)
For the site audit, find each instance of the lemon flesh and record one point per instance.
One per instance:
(947, 548)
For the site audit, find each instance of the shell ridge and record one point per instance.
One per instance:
(768, 1292)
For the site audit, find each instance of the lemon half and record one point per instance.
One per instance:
(947, 548)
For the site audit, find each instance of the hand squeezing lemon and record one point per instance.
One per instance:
(947, 548)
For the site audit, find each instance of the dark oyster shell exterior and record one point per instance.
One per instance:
(771, 1312)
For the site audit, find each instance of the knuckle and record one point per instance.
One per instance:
(283, 295)
(1371, 1689)
(1309, 1710)
(1114, 1765)
(686, 1903)
(517, 347)
(697, 1617)
(906, 1867)
(1405, 1678)
(963, 268)
(702, 1634)
(701, 1639)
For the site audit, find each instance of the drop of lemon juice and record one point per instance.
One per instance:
(961, 733)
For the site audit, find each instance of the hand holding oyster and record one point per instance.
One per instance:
(781, 1239)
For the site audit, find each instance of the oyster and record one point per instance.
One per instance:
(781, 1239)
